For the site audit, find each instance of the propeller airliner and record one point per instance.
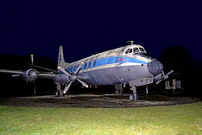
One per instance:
(129, 64)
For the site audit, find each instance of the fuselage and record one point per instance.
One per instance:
(117, 66)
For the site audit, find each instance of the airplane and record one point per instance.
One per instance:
(129, 64)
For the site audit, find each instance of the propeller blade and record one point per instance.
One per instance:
(79, 68)
(147, 90)
(34, 87)
(16, 75)
(32, 59)
(67, 88)
(159, 81)
(63, 70)
(170, 72)
(163, 73)
(83, 83)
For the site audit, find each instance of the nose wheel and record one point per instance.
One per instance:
(133, 97)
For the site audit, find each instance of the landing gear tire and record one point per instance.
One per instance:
(133, 97)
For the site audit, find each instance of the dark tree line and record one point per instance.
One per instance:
(178, 59)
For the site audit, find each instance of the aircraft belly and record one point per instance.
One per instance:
(116, 75)
(105, 76)
(128, 73)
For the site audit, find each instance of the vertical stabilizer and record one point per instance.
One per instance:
(61, 61)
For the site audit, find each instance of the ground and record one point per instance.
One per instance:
(96, 101)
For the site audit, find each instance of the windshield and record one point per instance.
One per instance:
(129, 51)
(135, 50)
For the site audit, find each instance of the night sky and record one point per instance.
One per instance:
(89, 27)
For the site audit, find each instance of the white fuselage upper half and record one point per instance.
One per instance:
(117, 66)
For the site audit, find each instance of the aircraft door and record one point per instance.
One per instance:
(119, 59)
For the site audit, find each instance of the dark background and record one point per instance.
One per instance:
(169, 30)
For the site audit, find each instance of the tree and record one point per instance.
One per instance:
(177, 59)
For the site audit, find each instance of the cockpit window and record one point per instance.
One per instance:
(135, 50)
(129, 51)
(142, 49)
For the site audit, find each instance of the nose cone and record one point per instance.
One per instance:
(155, 67)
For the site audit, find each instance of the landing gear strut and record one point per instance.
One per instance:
(119, 89)
(59, 92)
(133, 97)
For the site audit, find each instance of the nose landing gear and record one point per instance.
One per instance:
(133, 97)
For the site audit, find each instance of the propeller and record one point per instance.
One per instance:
(164, 76)
(29, 75)
(73, 77)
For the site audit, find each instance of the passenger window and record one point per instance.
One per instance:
(94, 63)
(85, 65)
(135, 50)
(89, 64)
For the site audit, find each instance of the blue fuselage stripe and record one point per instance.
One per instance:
(105, 61)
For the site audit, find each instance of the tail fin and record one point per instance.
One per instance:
(61, 61)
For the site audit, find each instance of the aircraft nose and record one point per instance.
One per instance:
(155, 67)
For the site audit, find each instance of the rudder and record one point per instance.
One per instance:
(61, 61)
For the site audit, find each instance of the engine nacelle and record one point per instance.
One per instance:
(29, 75)
(62, 79)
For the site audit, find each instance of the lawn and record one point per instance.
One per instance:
(177, 119)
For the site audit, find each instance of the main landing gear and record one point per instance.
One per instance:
(119, 89)
(59, 92)
(133, 97)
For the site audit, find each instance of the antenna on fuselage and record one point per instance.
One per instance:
(130, 41)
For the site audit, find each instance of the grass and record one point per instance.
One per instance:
(178, 119)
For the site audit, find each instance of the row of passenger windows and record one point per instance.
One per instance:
(135, 50)
(86, 65)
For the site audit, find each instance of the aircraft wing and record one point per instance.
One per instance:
(48, 75)
(11, 71)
